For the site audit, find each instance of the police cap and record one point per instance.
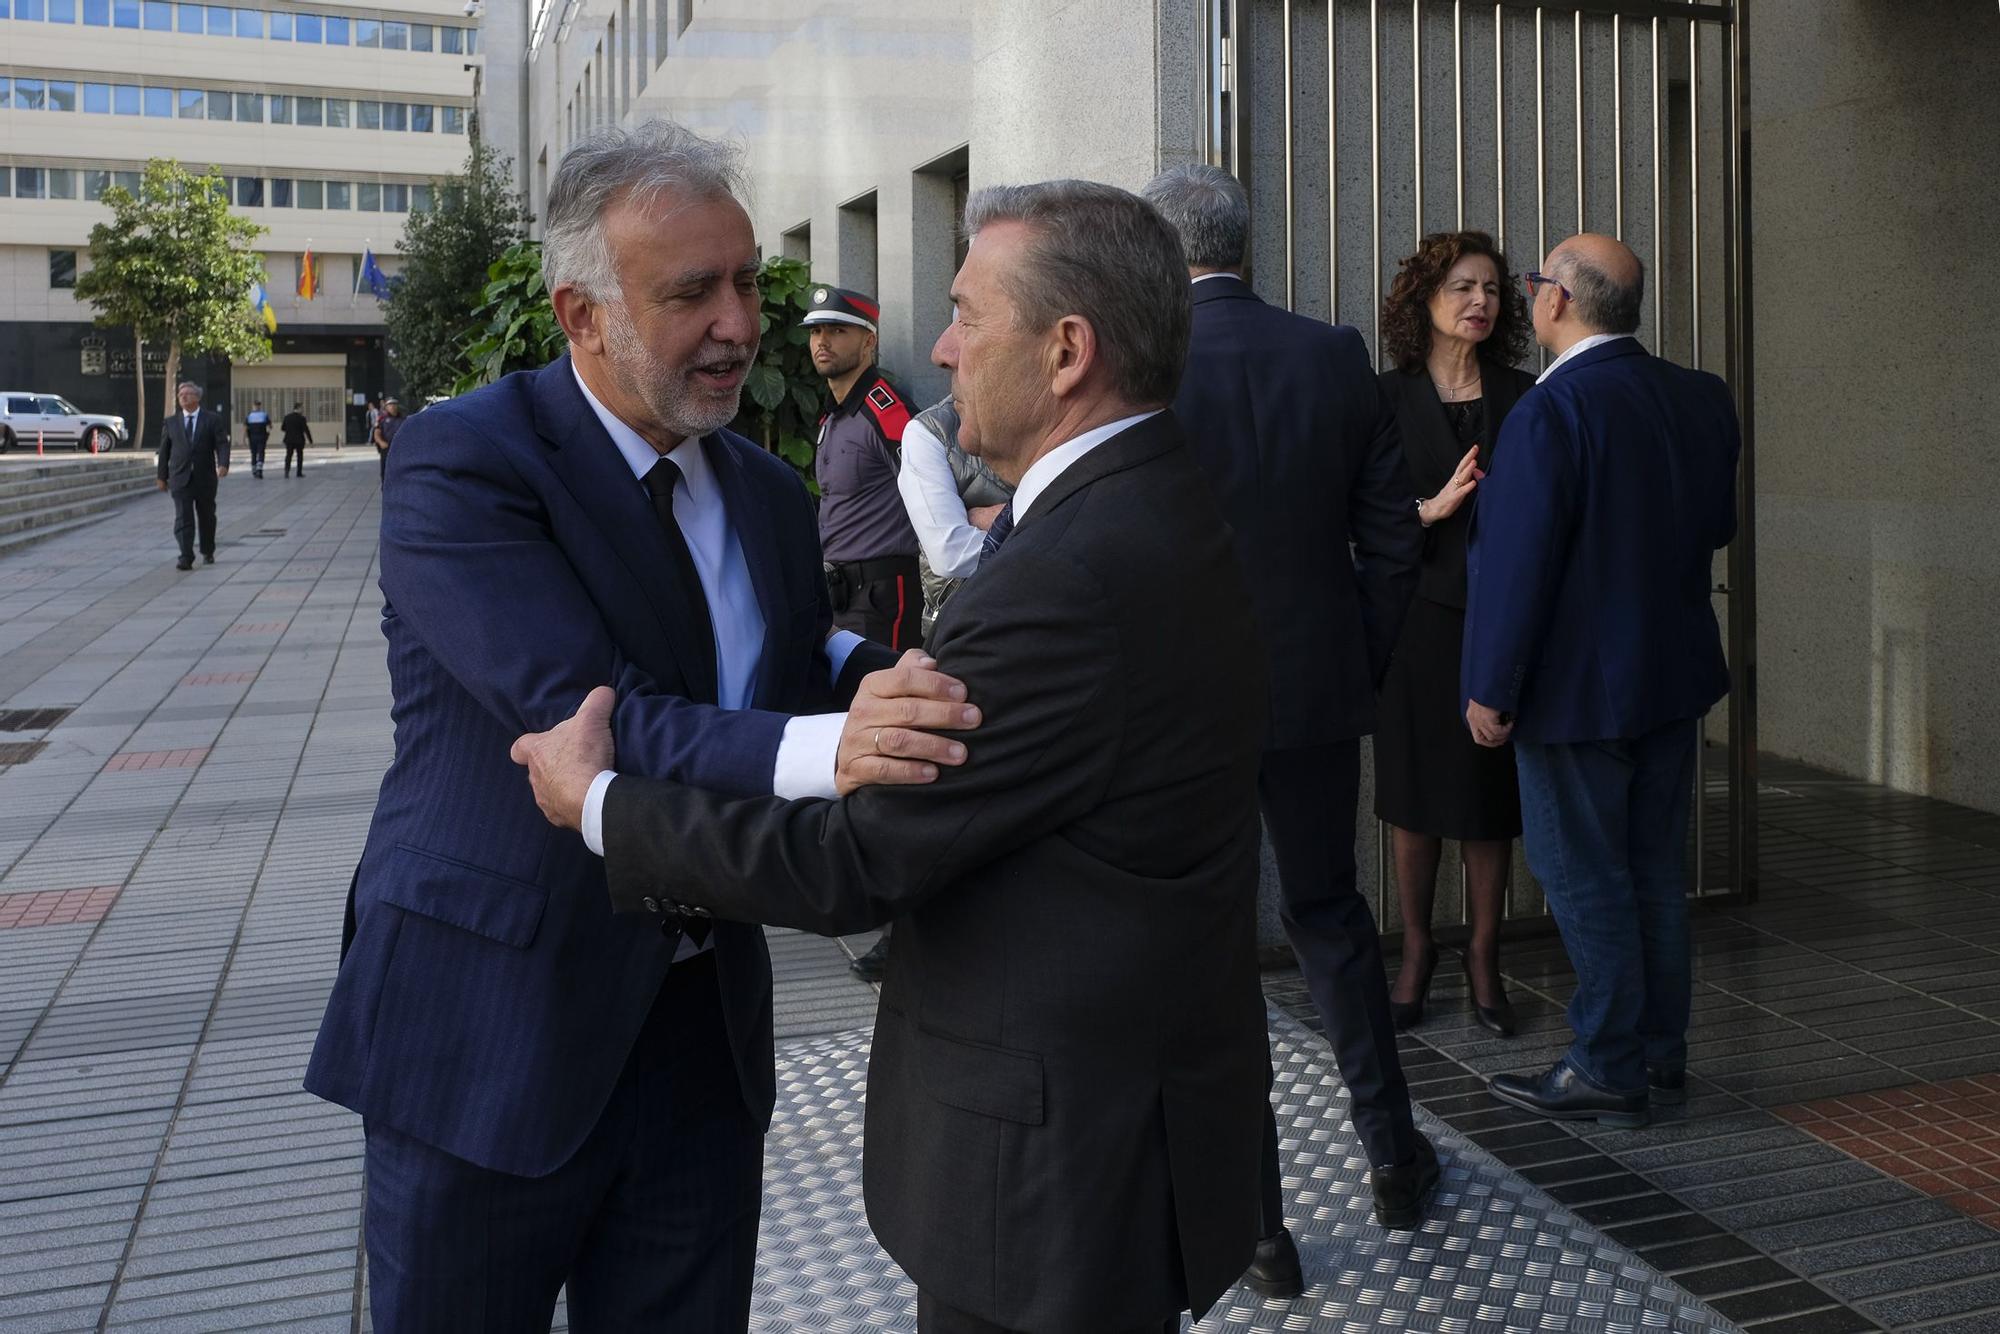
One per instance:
(837, 305)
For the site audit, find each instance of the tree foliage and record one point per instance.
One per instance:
(448, 250)
(175, 265)
(514, 328)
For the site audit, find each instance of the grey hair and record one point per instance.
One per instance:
(187, 384)
(653, 158)
(1108, 256)
(1209, 209)
(1602, 302)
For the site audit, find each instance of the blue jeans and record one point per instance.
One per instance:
(1606, 827)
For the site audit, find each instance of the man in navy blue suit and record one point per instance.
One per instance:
(1591, 641)
(552, 1094)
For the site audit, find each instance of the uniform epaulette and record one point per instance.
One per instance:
(891, 414)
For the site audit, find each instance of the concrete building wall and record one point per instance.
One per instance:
(1877, 179)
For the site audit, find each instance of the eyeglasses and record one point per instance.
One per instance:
(1535, 280)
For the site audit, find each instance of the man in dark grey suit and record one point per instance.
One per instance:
(1286, 418)
(1066, 1092)
(194, 454)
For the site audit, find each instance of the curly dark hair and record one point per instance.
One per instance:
(1406, 316)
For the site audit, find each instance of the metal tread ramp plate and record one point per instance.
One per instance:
(1496, 1255)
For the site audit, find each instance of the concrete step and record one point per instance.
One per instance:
(16, 541)
(44, 516)
(99, 488)
(25, 479)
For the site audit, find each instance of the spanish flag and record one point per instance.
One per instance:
(260, 301)
(308, 277)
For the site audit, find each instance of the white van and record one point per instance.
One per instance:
(57, 422)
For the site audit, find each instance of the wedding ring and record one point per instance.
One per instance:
(878, 742)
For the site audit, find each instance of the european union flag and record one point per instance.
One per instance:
(372, 277)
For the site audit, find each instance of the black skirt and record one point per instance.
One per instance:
(1431, 777)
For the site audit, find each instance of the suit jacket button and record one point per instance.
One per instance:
(650, 904)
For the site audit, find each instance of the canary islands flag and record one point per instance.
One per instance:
(308, 276)
(260, 301)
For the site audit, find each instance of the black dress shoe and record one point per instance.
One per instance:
(871, 966)
(1497, 1019)
(1668, 1087)
(1561, 1094)
(1275, 1271)
(208, 558)
(1406, 1015)
(1402, 1191)
(184, 563)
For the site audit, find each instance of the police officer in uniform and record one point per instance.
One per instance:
(865, 536)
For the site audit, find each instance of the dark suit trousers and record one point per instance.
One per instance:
(934, 1317)
(652, 1224)
(1308, 796)
(194, 509)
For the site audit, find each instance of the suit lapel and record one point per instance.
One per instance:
(758, 538)
(595, 474)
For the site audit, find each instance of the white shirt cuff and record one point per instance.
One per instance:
(839, 645)
(807, 753)
(593, 811)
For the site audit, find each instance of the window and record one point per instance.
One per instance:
(421, 116)
(189, 19)
(420, 36)
(28, 183)
(451, 41)
(395, 36)
(368, 115)
(371, 198)
(159, 16)
(62, 183)
(249, 191)
(125, 99)
(249, 23)
(281, 109)
(281, 26)
(221, 21)
(62, 268)
(368, 32)
(36, 10)
(312, 194)
(281, 192)
(96, 13)
(395, 199)
(95, 183)
(420, 199)
(339, 194)
(218, 106)
(62, 95)
(454, 120)
(159, 101)
(6, 173)
(307, 111)
(250, 107)
(62, 11)
(28, 95)
(131, 180)
(305, 28)
(336, 29)
(472, 41)
(97, 98)
(339, 112)
(395, 116)
(193, 104)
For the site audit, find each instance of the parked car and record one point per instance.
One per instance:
(59, 423)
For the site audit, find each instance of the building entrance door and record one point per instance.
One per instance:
(1359, 126)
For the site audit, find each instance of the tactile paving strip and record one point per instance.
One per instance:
(1496, 1254)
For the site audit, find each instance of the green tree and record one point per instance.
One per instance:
(514, 328)
(447, 252)
(175, 265)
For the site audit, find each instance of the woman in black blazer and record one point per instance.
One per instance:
(1455, 324)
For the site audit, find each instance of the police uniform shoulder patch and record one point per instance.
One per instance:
(888, 410)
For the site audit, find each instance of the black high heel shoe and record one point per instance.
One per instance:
(1494, 1018)
(1408, 1014)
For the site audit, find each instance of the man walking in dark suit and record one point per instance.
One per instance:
(194, 454)
(1066, 1090)
(297, 432)
(553, 1095)
(1285, 415)
(1590, 639)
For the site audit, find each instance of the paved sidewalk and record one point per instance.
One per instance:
(184, 794)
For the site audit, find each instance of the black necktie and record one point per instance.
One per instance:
(997, 534)
(187, 424)
(660, 482)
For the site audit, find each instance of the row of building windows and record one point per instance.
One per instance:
(229, 21)
(127, 99)
(84, 183)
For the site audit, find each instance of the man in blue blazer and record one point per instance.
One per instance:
(1590, 639)
(551, 1094)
